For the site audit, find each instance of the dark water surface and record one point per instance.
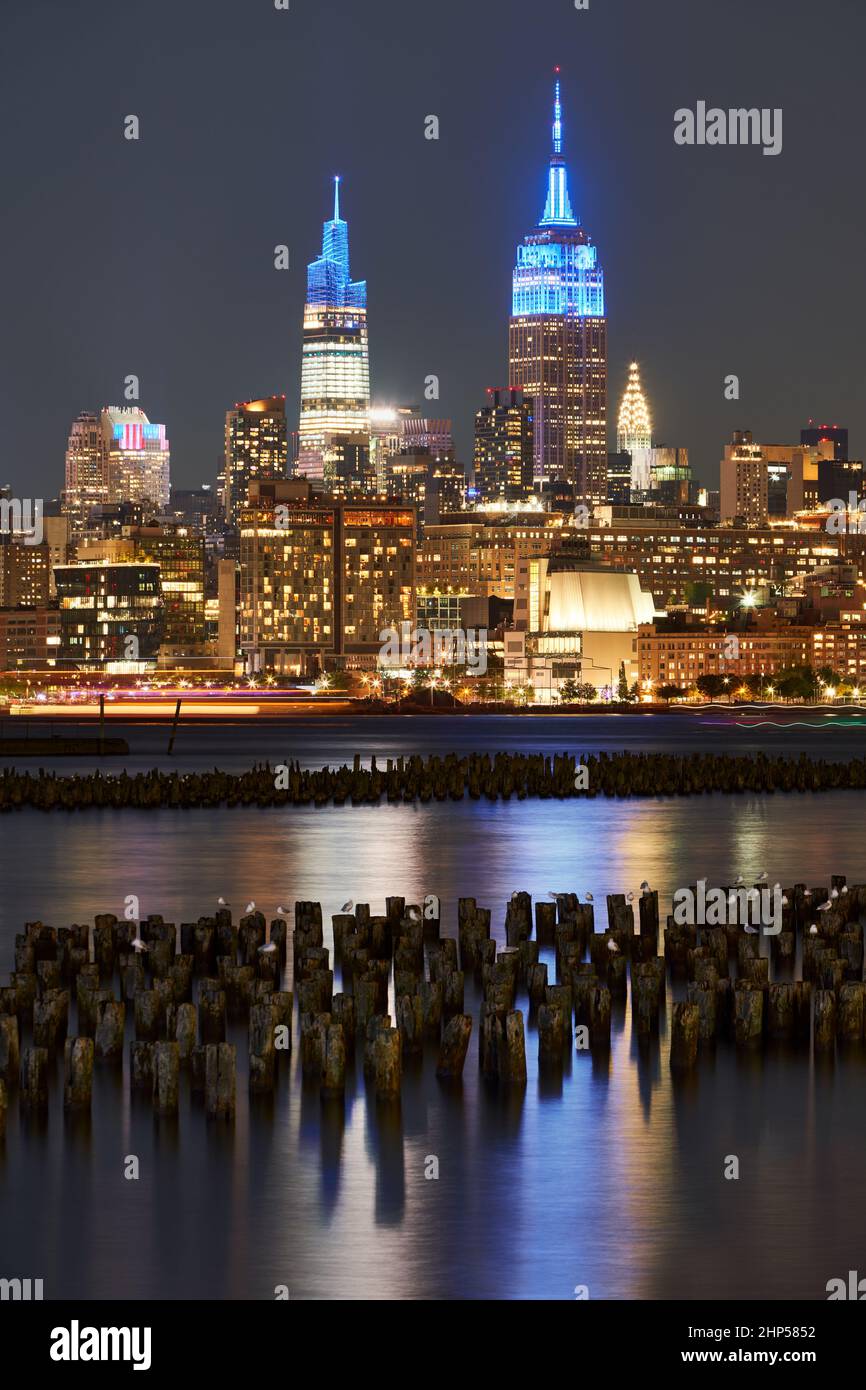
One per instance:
(614, 1180)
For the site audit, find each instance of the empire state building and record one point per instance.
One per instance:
(557, 348)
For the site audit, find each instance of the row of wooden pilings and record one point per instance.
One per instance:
(451, 777)
(236, 972)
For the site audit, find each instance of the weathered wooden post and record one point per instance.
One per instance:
(685, 1023)
(387, 1063)
(262, 1052)
(141, 1066)
(513, 1071)
(185, 1031)
(78, 1073)
(110, 1024)
(34, 1078)
(748, 1013)
(334, 1067)
(410, 1021)
(825, 1019)
(455, 1044)
(551, 1035)
(220, 1068)
(166, 1077)
(10, 1054)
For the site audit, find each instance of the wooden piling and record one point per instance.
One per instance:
(220, 1080)
(454, 1046)
(685, 1024)
(166, 1077)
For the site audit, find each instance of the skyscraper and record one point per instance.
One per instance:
(335, 367)
(634, 430)
(558, 339)
(86, 483)
(256, 449)
(503, 449)
(138, 457)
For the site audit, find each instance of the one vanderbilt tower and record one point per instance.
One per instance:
(557, 346)
(335, 366)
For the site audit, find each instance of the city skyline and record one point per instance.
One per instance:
(191, 374)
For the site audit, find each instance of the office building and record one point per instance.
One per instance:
(558, 342)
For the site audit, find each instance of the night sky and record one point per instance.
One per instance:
(156, 257)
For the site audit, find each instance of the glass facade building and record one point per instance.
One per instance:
(335, 365)
(558, 339)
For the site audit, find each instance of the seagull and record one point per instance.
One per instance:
(138, 945)
(414, 913)
(251, 907)
(834, 892)
(739, 880)
(629, 897)
(813, 930)
(347, 907)
(784, 901)
(844, 888)
(644, 888)
(221, 902)
(762, 878)
(588, 897)
(807, 892)
(776, 887)
(281, 911)
(612, 946)
(825, 907)
(267, 948)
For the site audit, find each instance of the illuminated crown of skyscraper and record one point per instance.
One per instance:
(328, 278)
(634, 427)
(557, 270)
(557, 209)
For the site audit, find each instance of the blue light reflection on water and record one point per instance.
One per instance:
(616, 1182)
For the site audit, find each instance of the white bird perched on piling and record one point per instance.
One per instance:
(844, 888)
(281, 911)
(807, 892)
(813, 930)
(784, 900)
(138, 945)
(825, 907)
(762, 878)
(413, 912)
(834, 892)
(221, 902)
(612, 946)
(347, 907)
(739, 881)
(644, 888)
(267, 948)
(251, 907)
(588, 897)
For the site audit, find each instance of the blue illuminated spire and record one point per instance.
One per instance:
(328, 278)
(557, 209)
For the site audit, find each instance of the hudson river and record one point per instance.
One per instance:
(613, 1179)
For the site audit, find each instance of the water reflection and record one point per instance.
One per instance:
(611, 1175)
